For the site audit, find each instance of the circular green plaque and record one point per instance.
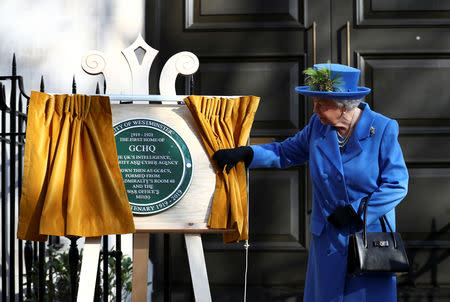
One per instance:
(155, 162)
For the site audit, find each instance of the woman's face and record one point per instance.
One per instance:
(327, 110)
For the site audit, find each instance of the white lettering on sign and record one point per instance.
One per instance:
(142, 148)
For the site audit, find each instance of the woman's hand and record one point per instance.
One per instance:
(343, 216)
(230, 157)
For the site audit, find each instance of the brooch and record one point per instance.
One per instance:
(372, 131)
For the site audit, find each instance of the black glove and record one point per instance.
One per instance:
(230, 157)
(343, 216)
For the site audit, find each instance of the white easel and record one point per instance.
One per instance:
(190, 215)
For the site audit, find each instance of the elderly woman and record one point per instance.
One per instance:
(353, 153)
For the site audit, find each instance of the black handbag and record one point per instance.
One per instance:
(376, 252)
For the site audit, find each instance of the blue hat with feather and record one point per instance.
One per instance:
(333, 81)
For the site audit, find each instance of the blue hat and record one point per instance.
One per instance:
(347, 90)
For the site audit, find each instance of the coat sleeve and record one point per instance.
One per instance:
(393, 177)
(293, 151)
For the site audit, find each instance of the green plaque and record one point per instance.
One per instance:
(155, 162)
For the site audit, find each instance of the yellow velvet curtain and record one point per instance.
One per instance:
(226, 123)
(72, 183)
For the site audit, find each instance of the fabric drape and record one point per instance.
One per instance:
(226, 123)
(72, 183)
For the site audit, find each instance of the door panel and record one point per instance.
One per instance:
(430, 149)
(273, 78)
(412, 81)
(236, 14)
(275, 212)
(407, 13)
(424, 206)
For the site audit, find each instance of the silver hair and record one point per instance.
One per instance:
(349, 104)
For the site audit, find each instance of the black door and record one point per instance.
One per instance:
(260, 48)
(403, 51)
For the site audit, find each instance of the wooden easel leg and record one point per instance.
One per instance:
(197, 266)
(88, 274)
(140, 267)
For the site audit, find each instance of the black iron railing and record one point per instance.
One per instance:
(32, 258)
(12, 138)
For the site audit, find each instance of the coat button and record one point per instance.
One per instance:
(339, 177)
(328, 252)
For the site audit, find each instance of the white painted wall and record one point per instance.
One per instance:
(49, 38)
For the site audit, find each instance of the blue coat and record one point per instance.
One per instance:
(372, 163)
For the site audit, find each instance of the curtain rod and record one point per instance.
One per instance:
(145, 97)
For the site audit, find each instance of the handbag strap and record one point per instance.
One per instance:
(383, 225)
(383, 220)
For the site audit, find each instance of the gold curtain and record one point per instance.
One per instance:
(72, 183)
(226, 123)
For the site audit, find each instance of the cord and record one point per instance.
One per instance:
(246, 246)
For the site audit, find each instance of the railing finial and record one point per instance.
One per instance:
(42, 87)
(14, 65)
(74, 85)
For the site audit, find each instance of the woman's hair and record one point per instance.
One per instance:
(349, 104)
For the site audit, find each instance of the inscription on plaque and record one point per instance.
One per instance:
(155, 162)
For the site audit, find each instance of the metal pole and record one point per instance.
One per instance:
(73, 268)
(118, 268)
(41, 276)
(348, 42)
(3, 163)
(19, 177)
(105, 268)
(12, 184)
(314, 25)
(28, 266)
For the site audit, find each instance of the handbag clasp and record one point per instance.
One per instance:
(381, 243)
